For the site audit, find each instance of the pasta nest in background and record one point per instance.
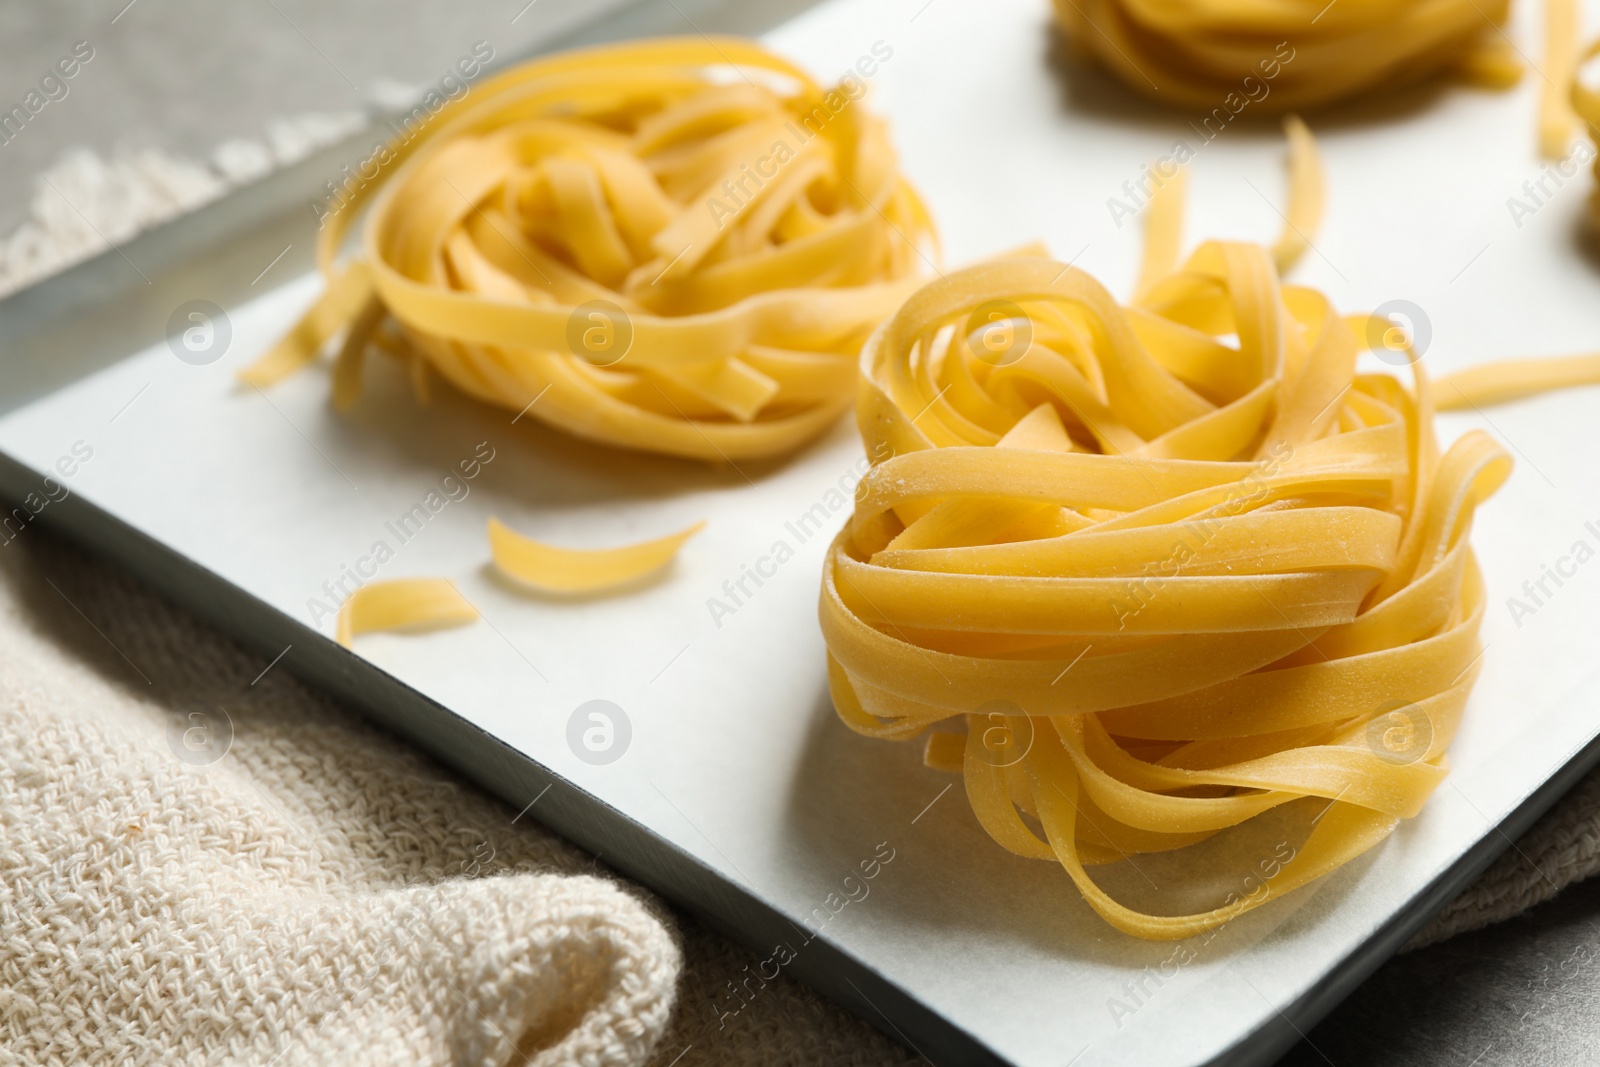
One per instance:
(677, 246)
(1306, 53)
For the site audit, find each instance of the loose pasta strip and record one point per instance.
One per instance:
(553, 569)
(1172, 565)
(1557, 119)
(402, 604)
(1586, 104)
(1502, 380)
(665, 256)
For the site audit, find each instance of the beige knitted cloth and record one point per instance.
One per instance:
(319, 893)
(1563, 847)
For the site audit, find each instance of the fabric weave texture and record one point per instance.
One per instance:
(295, 886)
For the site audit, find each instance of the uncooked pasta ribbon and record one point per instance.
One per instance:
(554, 569)
(1172, 565)
(1586, 103)
(402, 604)
(431, 603)
(1226, 56)
(677, 246)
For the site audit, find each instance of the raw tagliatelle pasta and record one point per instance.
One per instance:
(553, 569)
(676, 246)
(1172, 565)
(1310, 52)
(402, 604)
(1226, 56)
(1586, 104)
(430, 603)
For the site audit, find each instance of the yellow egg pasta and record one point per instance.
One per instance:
(552, 569)
(1512, 379)
(402, 604)
(1557, 117)
(1290, 55)
(1171, 565)
(1224, 57)
(676, 246)
(1586, 104)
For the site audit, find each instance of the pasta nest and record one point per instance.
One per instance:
(1277, 56)
(1172, 565)
(677, 246)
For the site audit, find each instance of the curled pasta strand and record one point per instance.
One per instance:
(676, 246)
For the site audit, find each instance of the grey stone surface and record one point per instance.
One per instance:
(187, 76)
(1524, 992)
